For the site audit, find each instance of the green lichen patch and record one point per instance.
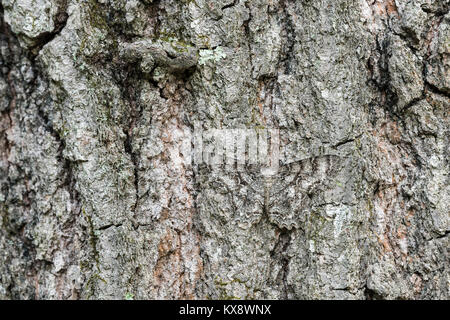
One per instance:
(215, 55)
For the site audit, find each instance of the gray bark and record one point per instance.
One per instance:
(99, 200)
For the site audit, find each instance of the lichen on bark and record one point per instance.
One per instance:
(99, 200)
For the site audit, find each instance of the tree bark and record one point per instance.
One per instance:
(102, 196)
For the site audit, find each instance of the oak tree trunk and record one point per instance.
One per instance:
(99, 198)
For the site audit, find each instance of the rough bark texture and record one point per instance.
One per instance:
(98, 200)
